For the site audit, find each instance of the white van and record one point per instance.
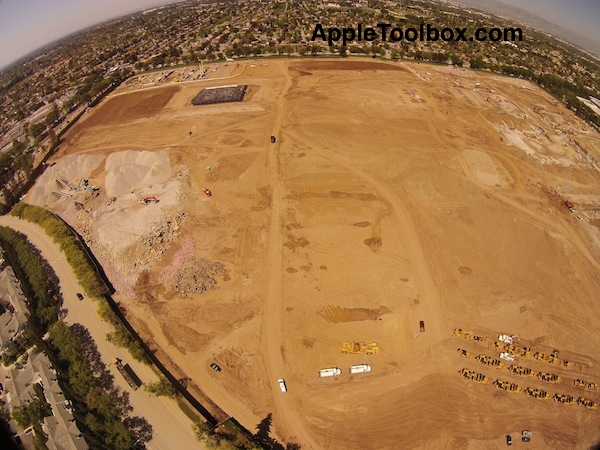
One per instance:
(360, 368)
(331, 372)
(282, 385)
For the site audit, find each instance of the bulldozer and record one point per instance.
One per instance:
(513, 388)
(549, 377)
(463, 352)
(537, 393)
(474, 376)
(590, 404)
(565, 399)
(489, 361)
(360, 347)
(520, 370)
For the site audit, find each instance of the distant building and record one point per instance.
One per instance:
(60, 428)
(13, 305)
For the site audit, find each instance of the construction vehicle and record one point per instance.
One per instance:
(552, 359)
(585, 385)
(489, 361)
(360, 368)
(513, 388)
(523, 371)
(516, 350)
(331, 372)
(498, 346)
(149, 199)
(463, 334)
(127, 373)
(565, 399)
(569, 204)
(475, 376)
(360, 347)
(463, 352)
(549, 377)
(207, 192)
(526, 435)
(537, 393)
(590, 404)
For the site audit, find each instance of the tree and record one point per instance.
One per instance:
(160, 388)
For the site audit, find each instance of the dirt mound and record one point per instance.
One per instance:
(130, 170)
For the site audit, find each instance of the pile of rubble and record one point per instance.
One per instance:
(152, 246)
(198, 277)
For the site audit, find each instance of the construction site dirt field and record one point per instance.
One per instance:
(461, 199)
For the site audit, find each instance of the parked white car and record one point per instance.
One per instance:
(282, 385)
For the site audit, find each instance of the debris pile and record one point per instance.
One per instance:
(198, 277)
(153, 245)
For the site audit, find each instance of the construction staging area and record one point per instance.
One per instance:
(390, 196)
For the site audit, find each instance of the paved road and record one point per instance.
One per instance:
(172, 429)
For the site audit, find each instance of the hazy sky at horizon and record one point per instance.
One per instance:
(26, 25)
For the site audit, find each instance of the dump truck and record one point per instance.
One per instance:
(360, 347)
(127, 373)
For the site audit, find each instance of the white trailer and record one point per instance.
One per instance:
(330, 372)
(505, 338)
(360, 368)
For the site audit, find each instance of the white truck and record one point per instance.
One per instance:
(360, 368)
(330, 372)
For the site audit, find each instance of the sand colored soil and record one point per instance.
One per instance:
(395, 193)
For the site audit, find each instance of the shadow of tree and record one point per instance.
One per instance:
(93, 357)
(263, 432)
(140, 429)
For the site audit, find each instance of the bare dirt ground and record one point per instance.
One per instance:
(394, 193)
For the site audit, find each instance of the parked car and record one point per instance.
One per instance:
(80, 296)
(508, 439)
(422, 326)
(215, 367)
(282, 385)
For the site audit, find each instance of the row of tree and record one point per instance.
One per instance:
(75, 253)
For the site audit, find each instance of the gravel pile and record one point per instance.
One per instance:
(198, 277)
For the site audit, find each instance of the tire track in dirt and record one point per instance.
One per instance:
(526, 214)
(404, 226)
(271, 337)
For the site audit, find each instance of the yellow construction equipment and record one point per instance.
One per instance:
(489, 361)
(565, 399)
(464, 353)
(463, 334)
(552, 359)
(513, 388)
(475, 376)
(520, 370)
(549, 377)
(590, 404)
(537, 393)
(498, 346)
(360, 347)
